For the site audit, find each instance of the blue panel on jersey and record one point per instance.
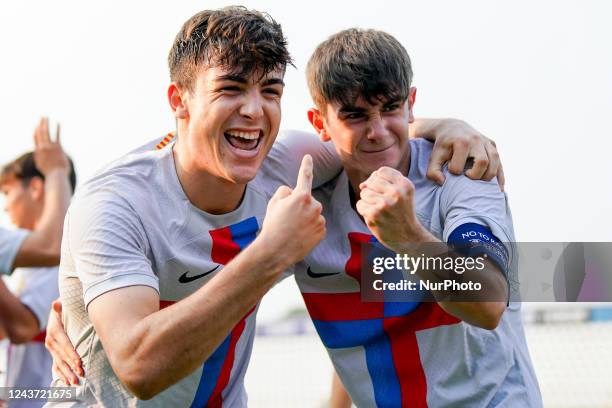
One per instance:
(473, 239)
(349, 333)
(370, 335)
(381, 368)
(210, 374)
(244, 232)
(395, 309)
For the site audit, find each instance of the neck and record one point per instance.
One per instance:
(207, 192)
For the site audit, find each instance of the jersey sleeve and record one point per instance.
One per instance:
(10, 242)
(107, 245)
(282, 165)
(477, 219)
(40, 293)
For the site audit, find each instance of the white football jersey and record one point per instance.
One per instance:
(406, 353)
(132, 224)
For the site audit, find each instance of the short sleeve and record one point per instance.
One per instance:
(40, 292)
(476, 212)
(107, 245)
(282, 165)
(10, 242)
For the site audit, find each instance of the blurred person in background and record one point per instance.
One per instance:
(25, 302)
(41, 245)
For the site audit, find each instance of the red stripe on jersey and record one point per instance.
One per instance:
(165, 303)
(329, 307)
(428, 315)
(353, 265)
(224, 249)
(401, 331)
(407, 361)
(216, 400)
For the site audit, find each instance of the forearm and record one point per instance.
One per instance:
(168, 345)
(48, 231)
(17, 321)
(480, 308)
(424, 128)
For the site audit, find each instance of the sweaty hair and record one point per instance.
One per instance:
(240, 40)
(23, 168)
(357, 62)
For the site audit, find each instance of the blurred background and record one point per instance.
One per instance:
(534, 76)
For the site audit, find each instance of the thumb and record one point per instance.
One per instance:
(282, 192)
(304, 180)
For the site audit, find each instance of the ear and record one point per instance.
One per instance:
(177, 103)
(36, 188)
(411, 100)
(318, 123)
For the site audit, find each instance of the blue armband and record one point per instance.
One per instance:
(473, 239)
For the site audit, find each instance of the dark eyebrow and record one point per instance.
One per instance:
(243, 80)
(392, 101)
(230, 77)
(351, 109)
(273, 81)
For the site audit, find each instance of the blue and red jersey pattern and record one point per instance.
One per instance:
(386, 331)
(227, 242)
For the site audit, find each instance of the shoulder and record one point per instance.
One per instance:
(420, 152)
(463, 200)
(128, 177)
(294, 137)
(118, 196)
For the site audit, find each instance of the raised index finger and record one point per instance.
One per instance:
(304, 180)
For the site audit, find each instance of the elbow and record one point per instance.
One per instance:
(142, 391)
(141, 387)
(490, 315)
(19, 334)
(54, 254)
(135, 376)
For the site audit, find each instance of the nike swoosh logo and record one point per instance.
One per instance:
(312, 274)
(186, 279)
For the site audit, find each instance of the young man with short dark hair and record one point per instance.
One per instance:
(452, 350)
(41, 246)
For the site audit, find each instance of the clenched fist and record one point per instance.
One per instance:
(293, 222)
(387, 206)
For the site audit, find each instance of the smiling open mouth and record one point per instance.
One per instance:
(244, 140)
